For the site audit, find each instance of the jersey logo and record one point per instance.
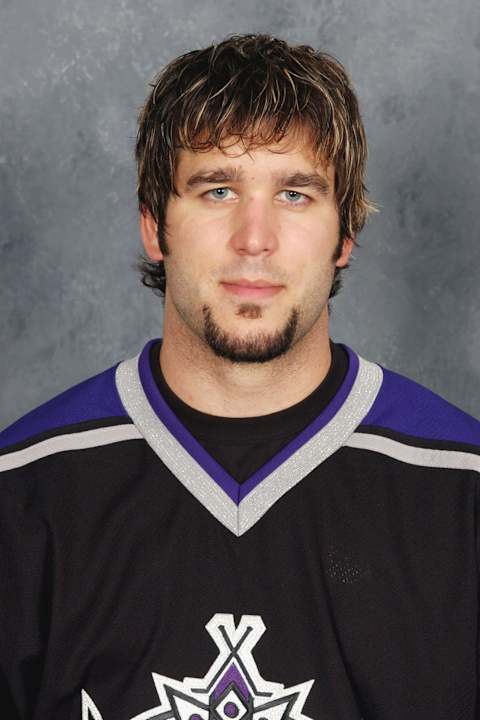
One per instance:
(232, 689)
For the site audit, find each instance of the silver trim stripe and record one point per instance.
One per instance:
(69, 441)
(429, 457)
(357, 404)
(239, 519)
(182, 465)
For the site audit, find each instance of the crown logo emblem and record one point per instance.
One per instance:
(232, 689)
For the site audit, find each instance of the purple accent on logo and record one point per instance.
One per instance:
(232, 675)
(92, 399)
(410, 408)
(234, 490)
(230, 709)
(195, 716)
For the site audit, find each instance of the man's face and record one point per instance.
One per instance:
(268, 215)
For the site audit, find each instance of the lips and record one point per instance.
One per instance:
(257, 289)
(242, 282)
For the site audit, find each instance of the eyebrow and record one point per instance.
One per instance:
(299, 179)
(218, 175)
(295, 179)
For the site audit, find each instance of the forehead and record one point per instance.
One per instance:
(294, 148)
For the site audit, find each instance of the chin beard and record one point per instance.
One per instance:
(255, 348)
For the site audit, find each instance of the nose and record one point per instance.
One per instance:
(254, 230)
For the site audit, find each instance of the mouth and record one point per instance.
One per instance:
(244, 288)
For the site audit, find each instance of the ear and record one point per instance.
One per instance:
(346, 252)
(148, 231)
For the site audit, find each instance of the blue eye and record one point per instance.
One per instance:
(218, 193)
(295, 197)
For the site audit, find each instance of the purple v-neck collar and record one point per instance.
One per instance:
(237, 491)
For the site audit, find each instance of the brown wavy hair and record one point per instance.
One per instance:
(253, 88)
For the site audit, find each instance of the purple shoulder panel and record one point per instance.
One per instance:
(410, 408)
(93, 399)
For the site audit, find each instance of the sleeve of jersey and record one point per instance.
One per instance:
(24, 611)
(26, 533)
(477, 629)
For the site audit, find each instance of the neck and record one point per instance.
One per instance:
(219, 387)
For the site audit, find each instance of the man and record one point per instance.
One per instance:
(247, 520)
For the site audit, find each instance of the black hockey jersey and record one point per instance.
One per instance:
(320, 563)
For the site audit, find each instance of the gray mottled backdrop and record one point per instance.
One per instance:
(73, 76)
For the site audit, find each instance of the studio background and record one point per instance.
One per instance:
(74, 75)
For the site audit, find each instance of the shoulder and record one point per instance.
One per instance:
(409, 412)
(88, 412)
